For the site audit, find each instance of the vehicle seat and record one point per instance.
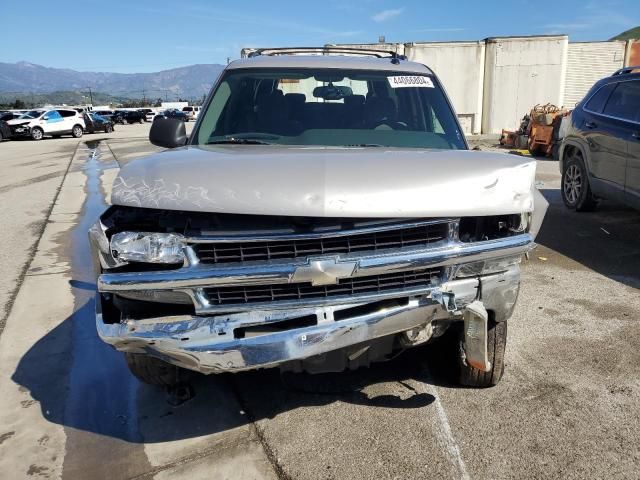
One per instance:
(354, 109)
(379, 110)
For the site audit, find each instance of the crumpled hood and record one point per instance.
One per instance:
(329, 181)
(19, 121)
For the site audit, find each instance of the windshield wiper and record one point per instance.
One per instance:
(238, 141)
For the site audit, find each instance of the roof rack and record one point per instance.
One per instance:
(626, 70)
(395, 57)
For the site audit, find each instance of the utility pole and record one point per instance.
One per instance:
(90, 95)
(144, 98)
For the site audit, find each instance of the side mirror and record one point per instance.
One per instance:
(168, 132)
(45, 118)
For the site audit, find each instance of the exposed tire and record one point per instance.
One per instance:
(108, 129)
(1, 137)
(496, 345)
(37, 133)
(77, 131)
(575, 188)
(154, 371)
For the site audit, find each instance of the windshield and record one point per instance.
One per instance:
(32, 114)
(331, 107)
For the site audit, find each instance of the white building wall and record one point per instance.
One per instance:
(521, 72)
(460, 68)
(588, 62)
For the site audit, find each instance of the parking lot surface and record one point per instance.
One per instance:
(567, 407)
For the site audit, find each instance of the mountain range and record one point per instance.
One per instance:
(186, 82)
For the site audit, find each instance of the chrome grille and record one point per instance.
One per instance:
(347, 287)
(414, 236)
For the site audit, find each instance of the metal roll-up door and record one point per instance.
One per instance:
(588, 62)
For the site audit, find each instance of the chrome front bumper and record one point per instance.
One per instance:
(207, 344)
(209, 341)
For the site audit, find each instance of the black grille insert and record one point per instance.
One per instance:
(347, 287)
(420, 236)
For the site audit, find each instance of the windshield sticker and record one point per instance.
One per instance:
(410, 81)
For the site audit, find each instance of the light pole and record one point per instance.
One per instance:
(90, 95)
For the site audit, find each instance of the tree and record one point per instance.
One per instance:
(18, 104)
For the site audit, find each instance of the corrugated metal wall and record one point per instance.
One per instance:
(460, 67)
(588, 62)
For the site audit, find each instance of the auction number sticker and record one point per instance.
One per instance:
(410, 81)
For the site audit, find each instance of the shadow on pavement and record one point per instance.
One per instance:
(96, 393)
(606, 241)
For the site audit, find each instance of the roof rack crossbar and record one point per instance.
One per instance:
(293, 50)
(625, 70)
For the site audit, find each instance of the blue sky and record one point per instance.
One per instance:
(151, 35)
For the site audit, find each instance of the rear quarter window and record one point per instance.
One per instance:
(597, 101)
(624, 102)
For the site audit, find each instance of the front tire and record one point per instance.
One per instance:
(77, 131)
(153, 371)
(576, 191)
(496, 345)
(37, 133)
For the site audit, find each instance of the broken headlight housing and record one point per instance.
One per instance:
(147, 247)
(487, 267)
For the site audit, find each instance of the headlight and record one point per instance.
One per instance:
(147, 247)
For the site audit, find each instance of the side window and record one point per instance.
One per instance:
(53, 116)
(624, 102)
(597, 101)
(67, 113)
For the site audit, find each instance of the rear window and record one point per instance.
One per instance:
(624, 102)
(187, 109)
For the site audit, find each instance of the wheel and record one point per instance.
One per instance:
(154, 371)
(37, 133)
(108, 128)
(77, 131)
(141, 120)
(1, 137)
(496, 344)
(576, 192)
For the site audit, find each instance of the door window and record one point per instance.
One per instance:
(624, 102)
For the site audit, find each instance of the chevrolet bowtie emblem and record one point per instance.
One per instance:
(324, 272)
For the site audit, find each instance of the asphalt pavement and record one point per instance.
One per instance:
(567, 407)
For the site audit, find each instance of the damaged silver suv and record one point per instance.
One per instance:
(324, 214)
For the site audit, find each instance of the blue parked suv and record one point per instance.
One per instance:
(600, 153)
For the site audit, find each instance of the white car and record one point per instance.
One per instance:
(191, 113)
(54, 122)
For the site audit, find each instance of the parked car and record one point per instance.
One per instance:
(5, 131)
(600, 153)
(174, 113)
(104, 113)
(97, 123)
(36, 124)
(119, 116)
(134, 116)
(147, 112)
(191, 113)
(151, 115)
(6, 116)
(316, 231)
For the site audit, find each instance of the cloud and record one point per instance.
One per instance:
(385, 15)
